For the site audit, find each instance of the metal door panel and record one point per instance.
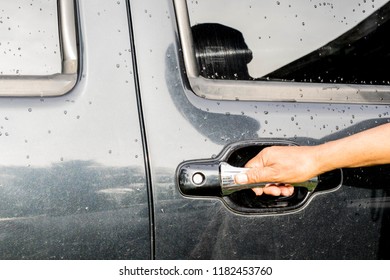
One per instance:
(348, 223)
(72, 168)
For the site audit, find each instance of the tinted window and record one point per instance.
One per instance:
(301, 41)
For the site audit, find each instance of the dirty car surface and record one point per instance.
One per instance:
(92, 173)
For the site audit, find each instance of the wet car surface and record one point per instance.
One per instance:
(93, 173)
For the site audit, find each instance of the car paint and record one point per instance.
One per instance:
(331, 226)
(73, 182)
(92, 174)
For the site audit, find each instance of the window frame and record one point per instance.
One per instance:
(268, 90)
(55, 84)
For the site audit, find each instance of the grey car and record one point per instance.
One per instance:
(119, 118)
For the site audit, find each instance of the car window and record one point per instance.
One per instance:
(304, 45)
(38, 49)
(30, 39)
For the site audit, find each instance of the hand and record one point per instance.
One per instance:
(279, 189)
(282, 165)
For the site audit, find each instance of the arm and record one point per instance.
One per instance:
(294, 164)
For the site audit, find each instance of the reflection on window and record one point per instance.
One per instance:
(301, 41)
(29, 42)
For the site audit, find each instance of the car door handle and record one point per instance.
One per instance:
(215, 178)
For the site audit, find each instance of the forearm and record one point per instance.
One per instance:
(366, 148)
(294, 164)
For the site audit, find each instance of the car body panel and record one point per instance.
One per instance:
(72, 168)
(92, 174)
(181, 126)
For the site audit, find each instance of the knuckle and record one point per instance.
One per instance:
(254, 176)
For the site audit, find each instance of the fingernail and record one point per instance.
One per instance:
(241, 178)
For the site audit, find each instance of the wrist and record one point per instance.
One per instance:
(322, 159)
(327, 157)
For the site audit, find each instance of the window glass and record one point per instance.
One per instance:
(29, 42)
(303, 41)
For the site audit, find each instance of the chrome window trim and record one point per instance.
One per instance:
(268, 90)
(55, 84)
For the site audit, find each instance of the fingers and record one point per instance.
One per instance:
(254, 175)
(241, 179)
(275, 190)
(287, 191)
(269, 166)
(258, 191)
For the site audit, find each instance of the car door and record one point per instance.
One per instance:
(72, 176)
(196, 118)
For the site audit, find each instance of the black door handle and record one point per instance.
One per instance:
(215, 177)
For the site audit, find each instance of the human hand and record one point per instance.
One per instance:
(282, 165)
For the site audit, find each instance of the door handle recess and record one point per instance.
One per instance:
(215, 178)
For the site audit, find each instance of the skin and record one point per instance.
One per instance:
(295, 164)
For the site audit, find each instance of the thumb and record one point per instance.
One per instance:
(252, 176)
